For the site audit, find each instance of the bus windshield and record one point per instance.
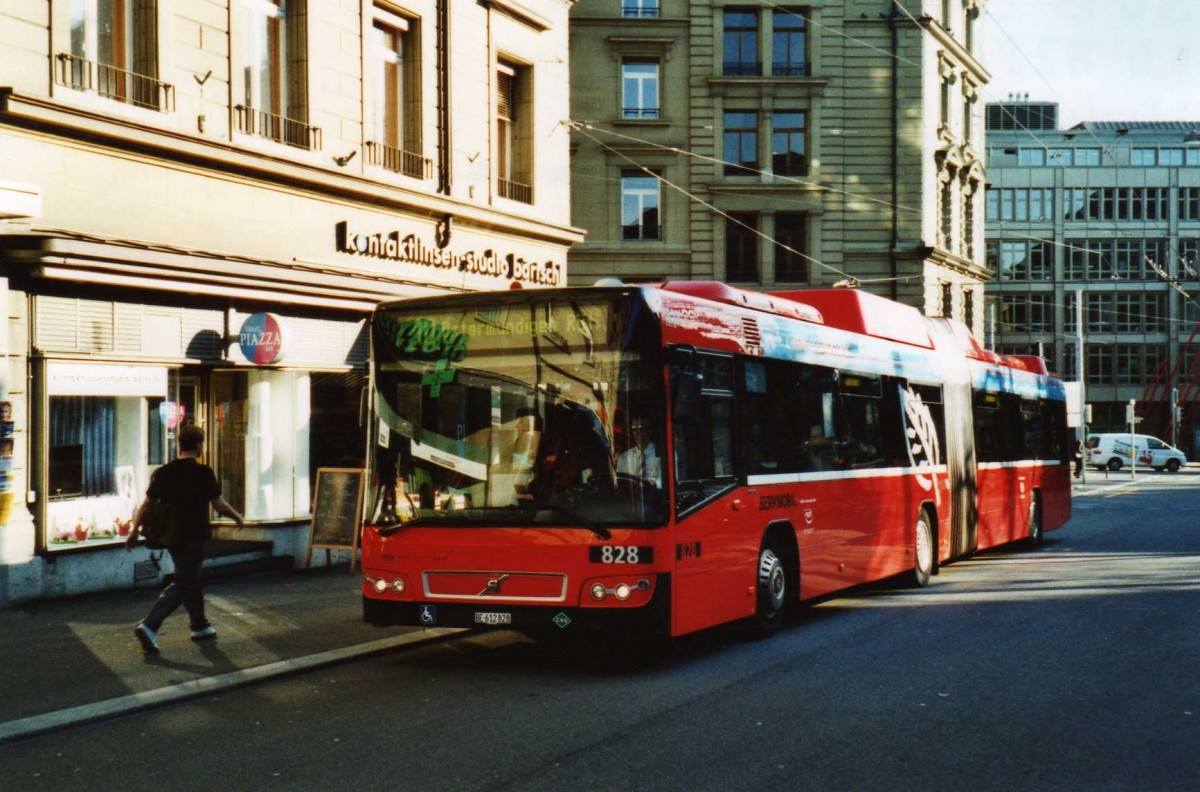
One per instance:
(522, 410)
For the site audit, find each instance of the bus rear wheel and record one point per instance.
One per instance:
(772, 594)
(922, 552)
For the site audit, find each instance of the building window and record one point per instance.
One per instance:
(1026, 313)
(514, 132)
(741, 143)
(791, 247)
(788, 155)
(1164, 157)
(639, 9)
(740, 45)
(1021, 204)
(275, 75)
(1189, 258)
(1106, 259)
(1031, 157)
(1189, 203)
(1022, 260)
(968, 111)
(1116, 203)
(789, 43)
(1132, 364)
(395, 56)
(944, 105)
(741, 247)
(1072, 157)
(946, 183)
(114, 52)
(969, 211)
(640, 199)
(946, 299)
(639, 89)
(969, 308)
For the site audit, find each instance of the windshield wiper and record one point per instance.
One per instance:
(576, 517)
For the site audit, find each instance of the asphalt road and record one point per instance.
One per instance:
(1075, 667)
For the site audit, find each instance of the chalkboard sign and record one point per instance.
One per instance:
(337, 511)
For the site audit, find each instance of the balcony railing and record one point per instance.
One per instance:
(279, 128)
(743, 68)
(515, 191)
(112, 83)
(639, 112)
(397, 160)
(639, 11)
(639, 231)
(786, 69)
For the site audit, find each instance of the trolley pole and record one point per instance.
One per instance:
(1131, 414)
(1083, 417)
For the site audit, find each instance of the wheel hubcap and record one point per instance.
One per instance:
(771, 578)
(924, 546)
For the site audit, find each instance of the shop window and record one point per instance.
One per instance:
(272, 429)
(336, 438)
(94, 454)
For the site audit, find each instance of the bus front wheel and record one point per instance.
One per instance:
(772, 593)
(922, 551)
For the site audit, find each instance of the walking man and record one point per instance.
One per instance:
(192, 487)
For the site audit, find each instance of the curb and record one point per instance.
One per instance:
(38, 725)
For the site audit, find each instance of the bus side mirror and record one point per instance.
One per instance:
(687, 396)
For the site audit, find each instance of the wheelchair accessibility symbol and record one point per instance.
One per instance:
(428, 614)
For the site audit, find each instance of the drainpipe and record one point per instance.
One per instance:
(443, 97)
(893, 21)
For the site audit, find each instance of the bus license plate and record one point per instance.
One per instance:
(493, 618)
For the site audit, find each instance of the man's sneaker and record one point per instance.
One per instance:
(204, 634)
(148, 638)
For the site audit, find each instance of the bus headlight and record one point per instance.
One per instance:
(620, 590)
(381, 585)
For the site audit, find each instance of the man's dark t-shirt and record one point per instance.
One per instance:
(189, 485)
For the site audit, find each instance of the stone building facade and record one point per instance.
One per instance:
(781, 146)
(201, 201)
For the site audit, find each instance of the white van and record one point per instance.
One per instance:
(1112, 451)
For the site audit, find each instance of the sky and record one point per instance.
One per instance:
(1101, 60)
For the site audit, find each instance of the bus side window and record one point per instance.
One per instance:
(704, 441)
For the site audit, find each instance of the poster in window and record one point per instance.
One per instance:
(126, 490)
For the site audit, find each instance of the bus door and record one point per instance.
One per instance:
(960, 467)
(709, 508)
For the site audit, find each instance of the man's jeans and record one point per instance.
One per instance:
(185, 589)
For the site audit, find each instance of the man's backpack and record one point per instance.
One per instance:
(161, 525)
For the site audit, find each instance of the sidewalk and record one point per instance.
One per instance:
(1098, 480)
(74, 660)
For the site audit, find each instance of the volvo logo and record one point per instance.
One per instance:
(493, 586)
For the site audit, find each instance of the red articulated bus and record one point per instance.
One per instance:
(678, 456)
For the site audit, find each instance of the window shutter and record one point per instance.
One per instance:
(505, 98)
